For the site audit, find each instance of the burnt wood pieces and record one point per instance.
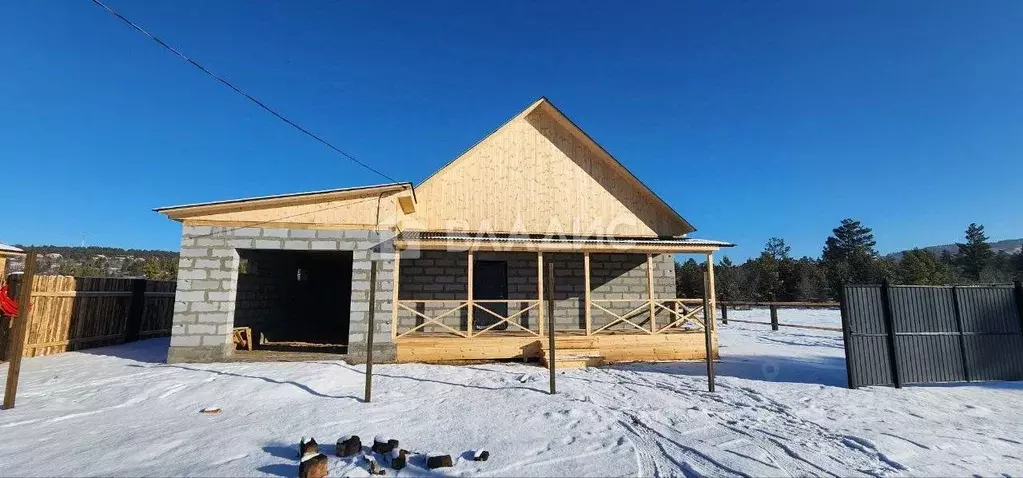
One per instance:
(313, 465)
(307, 446)
(439, 461)
(348, 446)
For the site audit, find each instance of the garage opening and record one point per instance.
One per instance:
(295, 301)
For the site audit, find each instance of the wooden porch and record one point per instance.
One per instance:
(641, 328)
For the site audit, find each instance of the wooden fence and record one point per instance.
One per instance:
(773, 307)
(74, 313)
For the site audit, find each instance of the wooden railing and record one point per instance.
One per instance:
(477, 306)
(680, 312)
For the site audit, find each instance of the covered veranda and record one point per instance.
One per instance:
(613, 299)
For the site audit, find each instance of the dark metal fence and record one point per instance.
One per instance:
(897, 335)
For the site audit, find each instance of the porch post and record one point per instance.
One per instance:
(650, 291)
(394, 294)
(539, 288)
(711, 293)
(586, 274)
(469, 302)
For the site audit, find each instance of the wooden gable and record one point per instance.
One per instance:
(540, 174)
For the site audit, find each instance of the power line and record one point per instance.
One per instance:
(237, 90)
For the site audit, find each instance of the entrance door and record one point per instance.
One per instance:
(490, 282)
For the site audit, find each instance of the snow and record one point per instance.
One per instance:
(781, 408)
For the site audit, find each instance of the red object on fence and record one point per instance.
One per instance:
(8, 306)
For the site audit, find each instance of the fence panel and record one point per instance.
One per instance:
(74, 313)
(939, 334)
(993, 340)
(866, 336)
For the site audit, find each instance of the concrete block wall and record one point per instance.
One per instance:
(206, 295)
(443, 275)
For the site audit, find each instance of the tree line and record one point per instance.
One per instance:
(849, 257)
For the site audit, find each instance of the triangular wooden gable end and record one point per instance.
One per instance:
(540, 174)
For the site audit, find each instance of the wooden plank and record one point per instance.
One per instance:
(82, 293)
(16, 347)
(588, 293)
(469, 314)
(711, 292)
(539, 290)
(527, 246)
(650, 291)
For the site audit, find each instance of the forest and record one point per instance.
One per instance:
(849, 256)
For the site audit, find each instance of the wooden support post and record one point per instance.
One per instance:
(708, 338)
(712, 292)
(588, 292)
(539, 289)
(774, 317)
(650, 292)
(370, 326)
(16, 343)
(469, 303)
(889, 322)
(724, 314)
(394, 293)
(136, 310)
(550, 328)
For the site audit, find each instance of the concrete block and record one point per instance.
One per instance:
(240, 243)
(179, 340)
(302, 233)
(266, 244)
(207, 263)
(330, 234)
(282, 233)
(190, 296)
(194, 252)
(323, 245)
(202, 307)
(228, 253)
(246, 232)
(201, 329)
(297, 245)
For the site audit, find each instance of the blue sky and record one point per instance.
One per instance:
(753, 119)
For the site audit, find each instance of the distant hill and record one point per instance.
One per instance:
(100, 261)
(1010, 246)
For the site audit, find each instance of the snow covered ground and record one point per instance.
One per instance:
(781, 408)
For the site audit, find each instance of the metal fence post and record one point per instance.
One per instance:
(962, 336)
(1017, 286)
(774, 317)
(724, 314)
(847, 337)
(889, 321)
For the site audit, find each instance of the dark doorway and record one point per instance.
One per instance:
(490, 282)
(295, 300)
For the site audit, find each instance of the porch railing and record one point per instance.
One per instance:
(477, 306)
(642, 317)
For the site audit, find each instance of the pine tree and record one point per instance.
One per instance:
(849, 256)
(725, 275)
(976, 253)
(689, 279)
(920, 267)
